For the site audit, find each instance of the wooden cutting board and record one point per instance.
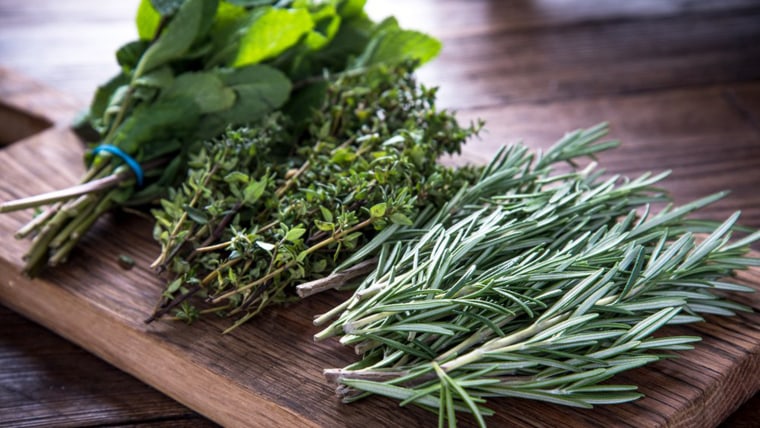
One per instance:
(269, 372)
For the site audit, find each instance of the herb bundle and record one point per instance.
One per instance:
(199, 67)
(509, 280)
(270, 206)
(535, 285)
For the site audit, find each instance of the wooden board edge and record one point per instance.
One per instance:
(736, 386)
(204, 391)
(36, 99)
(723, 396)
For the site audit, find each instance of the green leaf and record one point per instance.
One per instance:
(254, 190)
(326, 24)
(259, 90)
(205, 88)
(227, 13)
(160, 78)
(236, 177)
(325, 226)
(393, 46)
(196, 215)
(128, 56)
(326, 214)
(304, 101)
(147, 20)
(378, 210)
(173, 287)
(399, 218)
(343, 156)
(193, 18)
(165, 119)
(349, 42)
(265, 245)
(102, 98)
(351, 8)
(295, 233)
(251, 3)
(271, 33)
(387, 390)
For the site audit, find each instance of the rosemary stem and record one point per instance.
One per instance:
(332, 313)
(352, 326)
(336, 280)
(501, 343)
(476, 338)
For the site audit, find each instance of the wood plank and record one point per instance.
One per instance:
(270, 372)
(48, 381)
(699, 134)
(597, 58)
(452, 19)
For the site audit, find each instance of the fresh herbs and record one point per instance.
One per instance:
(199, 67)
(270, 206)
(535, 285)
(509, 280)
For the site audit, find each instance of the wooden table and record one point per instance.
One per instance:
(678, 81)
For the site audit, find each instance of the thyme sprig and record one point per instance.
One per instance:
(540, 288)
(267, 207)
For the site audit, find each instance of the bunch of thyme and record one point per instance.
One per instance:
(270, 206)
(535, 285)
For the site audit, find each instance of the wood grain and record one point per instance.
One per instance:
(95, 393)
(677, 80)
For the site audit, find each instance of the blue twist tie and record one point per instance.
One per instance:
(129, 160)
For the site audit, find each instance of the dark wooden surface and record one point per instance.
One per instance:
(679, 81)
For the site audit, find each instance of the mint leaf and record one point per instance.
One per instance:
(206, 90)
(260, 89)
(102, 99)
(394, 45)
(162, 120)
(159, 78)
(251, 3)
(326, 25)
(147, 20)
(191, 21)
(128, 56)
(271, 33)
(351, 8)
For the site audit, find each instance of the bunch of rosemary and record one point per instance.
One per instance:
(267, 207)
(532, 284)
(199, 67)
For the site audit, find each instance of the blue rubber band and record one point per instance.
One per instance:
(129, 160)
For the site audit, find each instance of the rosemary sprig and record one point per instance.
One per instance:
(542, 288)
